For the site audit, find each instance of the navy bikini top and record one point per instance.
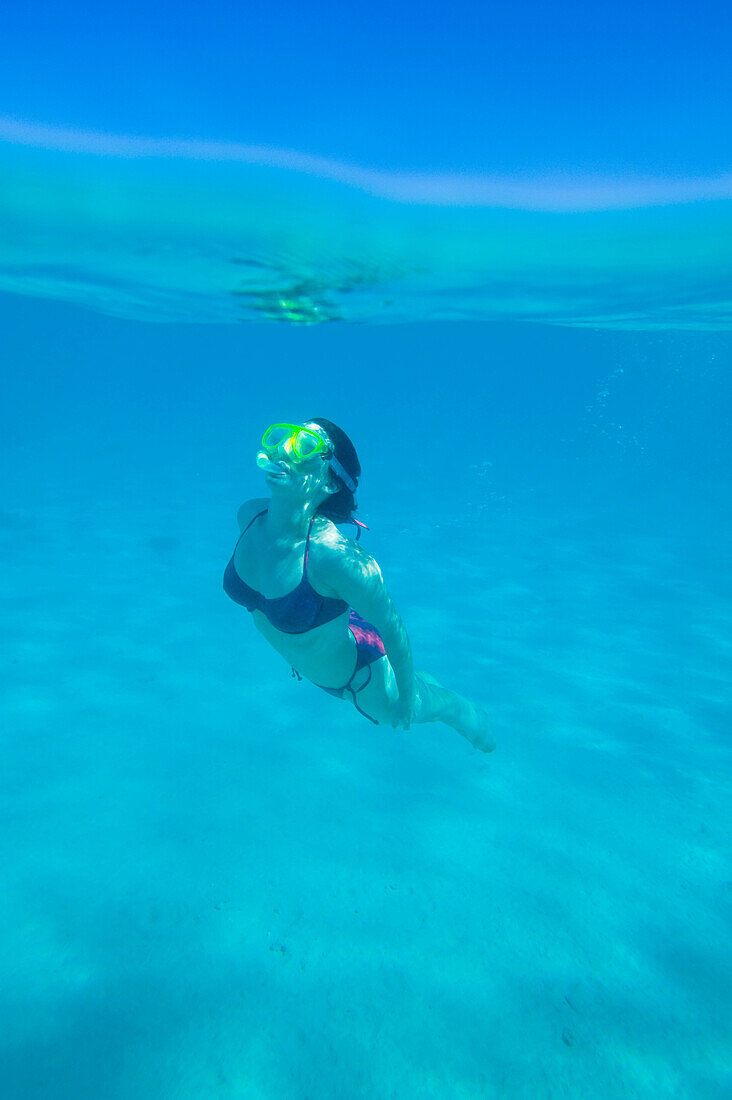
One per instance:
(298, 611)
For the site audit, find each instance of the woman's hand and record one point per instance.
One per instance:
(405, 710)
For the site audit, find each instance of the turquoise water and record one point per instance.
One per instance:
(220, 883)
(228, 233)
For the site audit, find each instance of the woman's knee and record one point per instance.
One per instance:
(432, 698)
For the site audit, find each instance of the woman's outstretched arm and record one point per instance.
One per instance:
(356, 578)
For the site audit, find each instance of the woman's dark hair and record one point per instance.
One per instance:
(339, 506)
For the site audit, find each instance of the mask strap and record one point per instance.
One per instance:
(342, 473)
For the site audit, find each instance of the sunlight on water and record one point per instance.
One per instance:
(207, 232)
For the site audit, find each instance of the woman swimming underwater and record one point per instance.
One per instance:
(336, 624)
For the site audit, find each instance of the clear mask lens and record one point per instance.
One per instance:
(297, 443)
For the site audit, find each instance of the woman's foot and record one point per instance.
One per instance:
(473, 723)
(466, 718)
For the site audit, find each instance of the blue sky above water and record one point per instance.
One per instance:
(634, 89)
(520, 108)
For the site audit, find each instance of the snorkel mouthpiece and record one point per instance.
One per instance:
(267, 465)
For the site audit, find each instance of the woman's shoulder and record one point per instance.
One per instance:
(249, 509)
(335, 552)
(328, 537)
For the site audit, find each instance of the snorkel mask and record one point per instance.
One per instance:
(298, 445)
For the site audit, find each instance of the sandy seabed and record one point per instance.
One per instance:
(220, 883)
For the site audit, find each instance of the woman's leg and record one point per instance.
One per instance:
(435, 703)
(439, 704)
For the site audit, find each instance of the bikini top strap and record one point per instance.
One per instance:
(307, 548)
(251, 521)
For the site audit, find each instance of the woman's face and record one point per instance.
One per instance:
(304, 478)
